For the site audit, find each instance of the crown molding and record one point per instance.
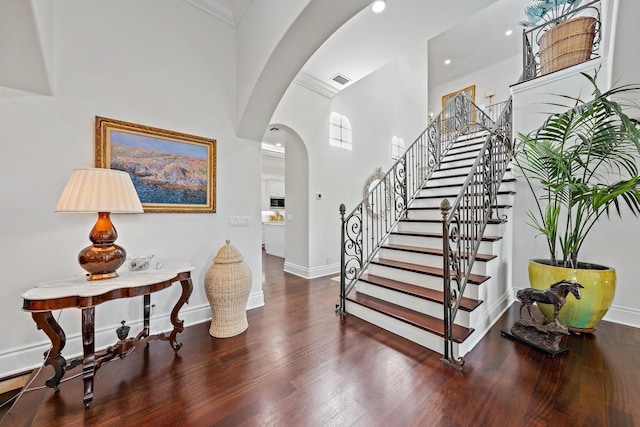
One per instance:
(239, 10)
(217, 8)
(315, 85)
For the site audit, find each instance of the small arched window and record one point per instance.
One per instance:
(340, 131)
(397, 147)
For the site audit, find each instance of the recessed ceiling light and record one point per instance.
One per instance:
(508, 32)
(278, 144)
(378, 6)
(447, 61)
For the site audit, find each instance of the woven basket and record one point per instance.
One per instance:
(567, 44)
(227, 284)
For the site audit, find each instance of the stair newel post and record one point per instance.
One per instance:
(341, 307)
(445, 208)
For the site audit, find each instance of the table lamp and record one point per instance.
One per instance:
(105, 191)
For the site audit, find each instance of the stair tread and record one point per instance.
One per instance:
(445, 160)
(442, 196)
(466, 304)
(419, 320)
(439, 235)
(473, 148)
(434, 251)
(458, 174)
(433, 208)
(434, 221)
(431, 187)
(474, 279)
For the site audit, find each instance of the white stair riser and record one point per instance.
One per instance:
(443, 191)
(465, 146)
(486, 247)
(467, 162)
(478, 267)
(436, 215)
(454, 185)
(460, 154)
(502, 199)
(446, 172)
(418, 279)
(430, 308)
(431, 227)
(447, 180)
(417, 335)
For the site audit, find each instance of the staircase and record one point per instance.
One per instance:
(422, 254)
(402, 288)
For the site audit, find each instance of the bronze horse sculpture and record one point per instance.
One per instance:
(555, 295)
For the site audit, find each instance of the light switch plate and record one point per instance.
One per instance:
(239, 221)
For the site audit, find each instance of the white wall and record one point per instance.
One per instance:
(608, 243)
(497, 77)
(163, 64)
(391, 101)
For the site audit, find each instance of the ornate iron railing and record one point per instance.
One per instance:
(387, 196)
(535, 65)
(464, 221)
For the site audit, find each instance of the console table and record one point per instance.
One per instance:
(79, 293)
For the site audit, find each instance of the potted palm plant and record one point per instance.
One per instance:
(564, 39)
(581, 164)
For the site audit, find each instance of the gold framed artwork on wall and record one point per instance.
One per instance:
(172, 172)
(448, 108)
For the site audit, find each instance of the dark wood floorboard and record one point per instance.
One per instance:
(301, 364)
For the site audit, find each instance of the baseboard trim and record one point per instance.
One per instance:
(623, 316)
(311, 273)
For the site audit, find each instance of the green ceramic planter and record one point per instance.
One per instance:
(599, 288)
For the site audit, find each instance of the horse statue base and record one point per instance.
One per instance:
(546, 327)
(548, 343)
(542, 335)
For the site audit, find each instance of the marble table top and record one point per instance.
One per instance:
(80, 286)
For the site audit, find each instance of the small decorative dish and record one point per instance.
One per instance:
(137, 263)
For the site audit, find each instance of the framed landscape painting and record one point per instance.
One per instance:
(171, 171)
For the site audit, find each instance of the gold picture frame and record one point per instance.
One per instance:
(172, 172)
(470, 91)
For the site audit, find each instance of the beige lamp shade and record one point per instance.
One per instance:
(99, 190)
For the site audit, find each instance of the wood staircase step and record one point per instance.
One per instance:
(419, 320)
(439, 221)
(437, 208)
(473, 148)
(439, 235)
(453, 195)
(474, 279)
(433, 251)
(466, 304)
(430, 187)
(445, 160)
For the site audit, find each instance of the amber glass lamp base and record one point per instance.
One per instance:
(103, 258)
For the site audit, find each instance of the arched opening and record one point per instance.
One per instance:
(285, 177)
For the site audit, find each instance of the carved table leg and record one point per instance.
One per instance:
(88, 346)
(178, 325)
(47, 323)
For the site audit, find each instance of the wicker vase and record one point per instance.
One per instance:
(227, 284)
(567, 44)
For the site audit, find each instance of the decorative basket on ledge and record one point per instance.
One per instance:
(567, 44)
(227, 284)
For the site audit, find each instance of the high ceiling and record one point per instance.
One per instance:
(470, 33)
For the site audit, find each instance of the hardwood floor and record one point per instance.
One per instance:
(301, 364)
